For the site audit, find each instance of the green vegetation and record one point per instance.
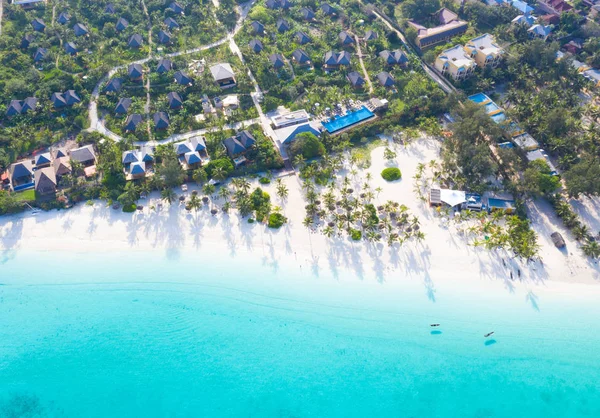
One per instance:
(538, 179)
(25, 196)
(391, 174)
(276, 220)
(308, 145)
(355, 234)
(264, 180)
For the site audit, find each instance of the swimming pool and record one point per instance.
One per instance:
(349, 119)
(479, 98)
(491, 107)
(499, 117)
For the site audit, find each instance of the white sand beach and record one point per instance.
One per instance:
(442, 256)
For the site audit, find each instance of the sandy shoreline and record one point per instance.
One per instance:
(443, 255)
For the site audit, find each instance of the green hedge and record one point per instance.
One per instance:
(391, 174)
(129, 209)
(276, 220)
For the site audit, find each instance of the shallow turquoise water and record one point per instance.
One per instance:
(146, 335)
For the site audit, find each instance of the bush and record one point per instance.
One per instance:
(130, 208)
(276, 220)
(224, 163)
(391, 174)
(264, 180)
(308, 145)
(251, 220)
(355, 234)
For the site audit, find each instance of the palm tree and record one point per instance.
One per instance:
(224, 193)
(591, 248)
(328, 231)
(219, 174)
(282, 190)
(208, 189)
(168, 195)
(307, 222)
(195, 202)
(299, 161)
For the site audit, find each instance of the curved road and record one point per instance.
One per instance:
(97, 125)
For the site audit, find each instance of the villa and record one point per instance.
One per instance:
(345, 38)
(450, 26)
(21, 175)
(454, 62)
(527, 20)
(61, 166)
(237, 145)
(191, 153)
(80, 30)
(68, 98)
(385, 79)
(132, 122)
(370, 35)
(123, 105)
(86, 156)
(277, 61)
(21, 107)
(282, 25)
(540, 31)
(171, 23)
(135, 71)
(164, 66)
(45, 181)
(223, 75)
(164, 37)
(113, 86)
(289, 133)
(455, 199)
(121, 25)
(301, 58)
(484, 51)
(356, 80)
(42, 160)
(290, 118)
(161, 121)
(256, 45)
(40, 54)
(138, 163)
(302, 37)
(135, 41)
(396, 57)
(174, 99)
(334, 59)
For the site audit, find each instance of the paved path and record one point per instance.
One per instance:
(97, 125)
(362, 64)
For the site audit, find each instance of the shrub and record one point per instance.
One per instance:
(224, 163)
(130, 208)
(264, 180)
(308, 145)
(251, 220)
(355, 234)
(276, 220)
(391, 174)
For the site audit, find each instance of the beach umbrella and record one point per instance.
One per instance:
(181, 198)
(213, 211)
(140, 208)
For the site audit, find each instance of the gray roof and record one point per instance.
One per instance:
(192, 158)
(20, 169)
(129, 157)
(122, 24)
(282, 25)
(233, 146)
(58, 100)
(71, 97)
(345, 38)
(113, 85)
(302, 37)
(328, 9)
(356, 79)
(258, 27)
(176, 7)
(135, 41)
(134, 70)
(164, 37)
(385, 79)
(43, 158)
(171, 23)
(255, 45)
(182, 78)
(371, 35)
(300, 56)
(80, 29)
(161, 120)
(38, 25)
(222, 71)
(396, 57)
(123, 105)
(337, 58)
(277, 60)
(174, 100)
(70, 48)
(164, 65)
(29, 103)
(26, 40)
(63, 18)
(40, 54)
(14, 108)
(132, 122)
(273, 4)
(45, 178)
(110, 8)
(84, 154)
(307, 13)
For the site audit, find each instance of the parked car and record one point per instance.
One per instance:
(558, 240)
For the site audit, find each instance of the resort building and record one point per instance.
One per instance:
(527, 20)
(539, 31)
(396, 57)
(540, 154)
(192, 153)
(289, 133)
(132, 122)
(356, 80)
(223, 75)
(454, 62)
(449, 26)
(21, 175)
(138, 163)
(161, 121)
(334, 59)
(42, 160)
(455, 199)
(21, 107)
(86, 156)
(45, 181)
(484, 51)
(61, 166)
(237, 146)
(557, 7)
(291, 118)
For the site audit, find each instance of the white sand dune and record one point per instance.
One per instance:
(444, 255)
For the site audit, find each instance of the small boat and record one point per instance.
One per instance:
(435, 325)
(488, 334)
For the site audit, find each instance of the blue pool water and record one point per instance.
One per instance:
(491, 107)
(499, 117)
(479, 98)
(147, 334)
(348, 120)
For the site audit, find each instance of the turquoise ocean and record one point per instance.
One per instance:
(149, 334)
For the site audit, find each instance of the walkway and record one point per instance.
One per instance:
(362, 64)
